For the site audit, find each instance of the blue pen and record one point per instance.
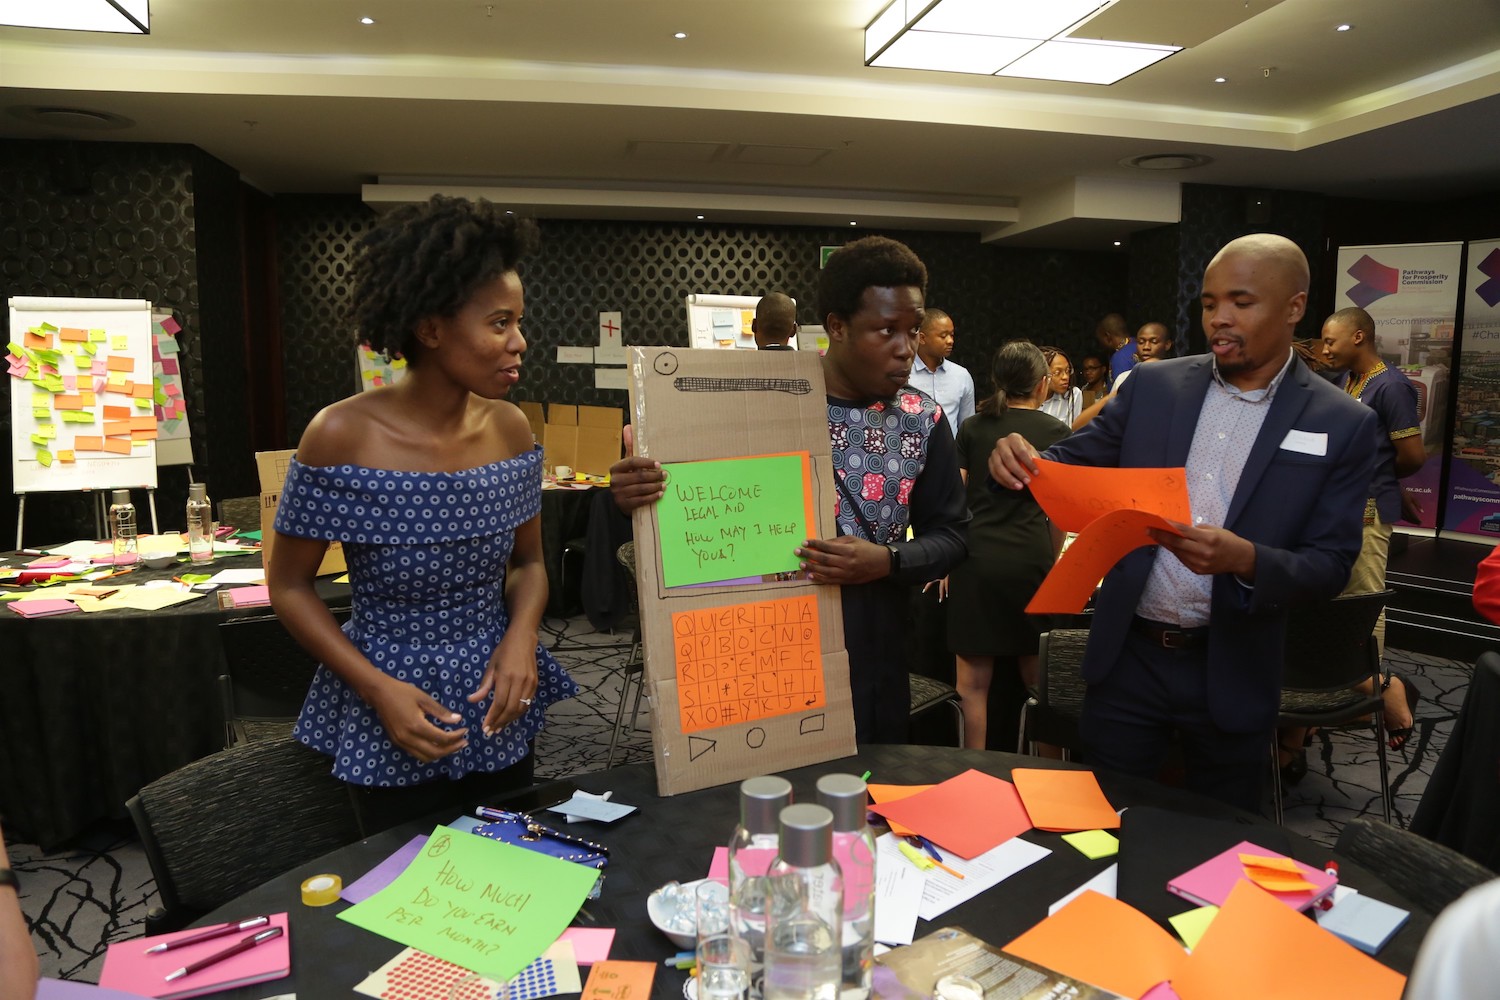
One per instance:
(920, 841)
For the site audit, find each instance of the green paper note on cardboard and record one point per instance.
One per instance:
(726, 519)
(487, 906)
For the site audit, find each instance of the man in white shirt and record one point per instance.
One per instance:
(946, 381)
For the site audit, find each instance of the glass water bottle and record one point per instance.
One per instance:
(200, 524)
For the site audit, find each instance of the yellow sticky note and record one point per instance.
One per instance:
(42, 415)
(1191, 925)
(1094, 844)
(65, 457)
(44, 456)
(398, 363)
(97, 336)
(119, 342)
(117, 379)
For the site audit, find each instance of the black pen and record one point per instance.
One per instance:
(246, 943)
(243, 925)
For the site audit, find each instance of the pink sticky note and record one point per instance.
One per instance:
(249, 597)
(97, 368)
(70, 383)
(170, 325)
(590, 944)
(755, 862)
(172, 389)
(48, 369)
(48, 562)
(169, 366)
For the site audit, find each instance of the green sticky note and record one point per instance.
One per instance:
(48, 328)
(1191, 925)
(77, 416)
(1094, 844)
(166, 346)
(143, 404)
(44, 456)
(89, 349)
(732, 518)
(487, 906)
(42, 414)
(96, 336)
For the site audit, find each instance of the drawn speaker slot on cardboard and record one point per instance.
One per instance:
(745, 661)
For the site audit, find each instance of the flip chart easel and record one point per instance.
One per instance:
(723, 321)
(746, 676)
(75, 368)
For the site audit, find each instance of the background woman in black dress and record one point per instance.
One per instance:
(1011, 542)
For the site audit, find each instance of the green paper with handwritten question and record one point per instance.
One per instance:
(478, 903)
(732, 518)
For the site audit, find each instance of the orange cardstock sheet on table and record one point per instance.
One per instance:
(968, 814)
(1257, 947)
(1075, 495)
(1109, 944)
(746, 662)
(891, 793)
(616, 980)
(1064, 801)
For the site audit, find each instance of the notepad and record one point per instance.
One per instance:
(43, 608)
(127, 967)
(1366, 923)
(1210, 883)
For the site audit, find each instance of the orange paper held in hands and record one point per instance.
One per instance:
(1075, 495)
(1099, 546)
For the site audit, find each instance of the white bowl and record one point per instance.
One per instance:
(656, 910)
(158, 560)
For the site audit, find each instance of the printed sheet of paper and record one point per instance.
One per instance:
(730, 518)
(487, 906)
(941, 892)
(899, 889)
(746, 662)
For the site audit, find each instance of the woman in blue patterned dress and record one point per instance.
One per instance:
(431, 695)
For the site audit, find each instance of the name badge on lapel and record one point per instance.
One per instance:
(1306, 442)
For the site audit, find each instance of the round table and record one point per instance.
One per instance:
(673, 838)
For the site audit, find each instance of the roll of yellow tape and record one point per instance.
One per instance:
(320, 890)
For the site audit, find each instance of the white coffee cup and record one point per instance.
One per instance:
(563, 472)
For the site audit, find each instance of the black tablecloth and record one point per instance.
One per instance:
(673, 839)
(93, 706)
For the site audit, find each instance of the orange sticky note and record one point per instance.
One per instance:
(891, 793)
(117, 413)
(143, 435)
(118, 446)
(1257, 947)
(73, 334)
(88, 444)
(1110, 944)
(1106, 541)
(1075, 495)
(141, 390)
(1064, 801)
(613, 979)
(114, 428)
(67, 401)
(39, 340)
(87, 397)
(120, 363)
(968, 814)
(65, 457)
(142, 423)
(744, 662)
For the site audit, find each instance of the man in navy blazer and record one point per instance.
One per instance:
(1188, 635)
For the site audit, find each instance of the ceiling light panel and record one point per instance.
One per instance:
(1009, 18)
(1085, 61)
(126, 16)
(952, 53)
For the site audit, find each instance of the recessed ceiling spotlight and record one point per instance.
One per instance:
(1344, 27)
(853, 223)
(680, 34)
(1220, 79)
(1117, 242)
(367, 20)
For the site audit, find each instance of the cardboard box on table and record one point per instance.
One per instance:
(535, 417)
(272, 466)
(584, 438)
(693, 405)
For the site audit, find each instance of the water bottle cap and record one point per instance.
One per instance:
(119, 496)
(197, 491)
(846, 797)
(761, 801)
(806, 835)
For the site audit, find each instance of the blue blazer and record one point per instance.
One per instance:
(1304, 513)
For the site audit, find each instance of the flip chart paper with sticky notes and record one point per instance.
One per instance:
(736, 517)
(485, 905)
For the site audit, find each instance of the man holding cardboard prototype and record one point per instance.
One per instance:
(895, 469)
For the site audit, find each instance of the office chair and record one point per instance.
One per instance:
(268, 676)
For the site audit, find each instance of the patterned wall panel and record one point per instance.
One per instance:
(1212, 216)
(112, 220)
(644, 271)
(1153, 281)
